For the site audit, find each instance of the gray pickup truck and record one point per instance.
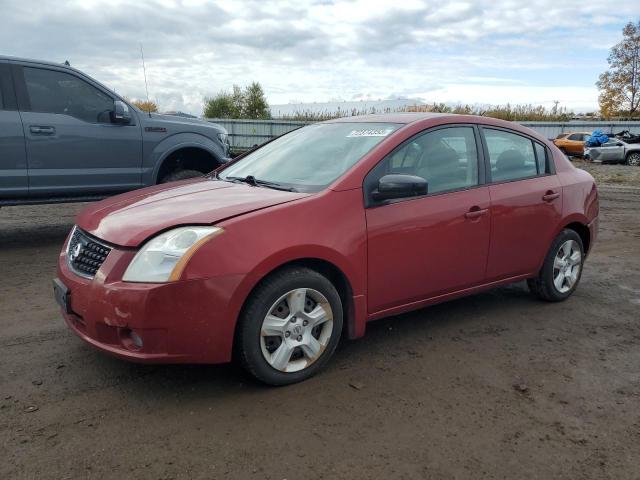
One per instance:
(65, 137)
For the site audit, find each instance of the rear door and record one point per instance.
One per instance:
(427, 246)
(612, 151)
(13, 160)
(526, 202)
(72, 146)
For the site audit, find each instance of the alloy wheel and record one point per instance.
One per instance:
(634, 159)
(296, 330)
(566, 266)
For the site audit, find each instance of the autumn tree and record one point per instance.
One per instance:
(146, 105)
(620, 85)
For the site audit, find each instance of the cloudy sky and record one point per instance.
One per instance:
(493, 51)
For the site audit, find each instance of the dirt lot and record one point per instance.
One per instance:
(498, 385)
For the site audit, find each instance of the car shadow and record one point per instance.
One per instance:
(473, 315)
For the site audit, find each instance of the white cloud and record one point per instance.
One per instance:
(499, 51)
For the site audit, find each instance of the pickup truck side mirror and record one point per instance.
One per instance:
(395, 186)
(120, 114)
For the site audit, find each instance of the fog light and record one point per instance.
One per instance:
(130, 339)
(135, 338)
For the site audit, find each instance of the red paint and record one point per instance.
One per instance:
(395, 258)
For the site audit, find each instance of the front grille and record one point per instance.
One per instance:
(85, 254)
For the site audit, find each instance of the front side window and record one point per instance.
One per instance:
(576, 136)
(311, 158)
(51, 91)
(446, 158)
(511, 155)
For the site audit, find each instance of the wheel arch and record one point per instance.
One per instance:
(583, 232)
(168, 149)
(329, 269)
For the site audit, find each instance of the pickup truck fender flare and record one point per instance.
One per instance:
(177, 142)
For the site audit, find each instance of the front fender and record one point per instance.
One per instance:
(155, 154)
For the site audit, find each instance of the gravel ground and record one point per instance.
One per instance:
(498, 385)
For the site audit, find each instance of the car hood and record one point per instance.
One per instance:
(129, 219)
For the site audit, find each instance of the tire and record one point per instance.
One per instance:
(180, 175)
(633, 159)
(273, 344)
(559, 278)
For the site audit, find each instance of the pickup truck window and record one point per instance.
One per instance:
(51, 91)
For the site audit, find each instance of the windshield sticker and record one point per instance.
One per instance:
(371, 132)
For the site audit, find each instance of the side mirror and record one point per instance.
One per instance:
(394, 186)
(120, 114)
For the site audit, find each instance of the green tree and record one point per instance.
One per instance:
(620, 85)
(255, 103)
(221, 106)
(248, 103)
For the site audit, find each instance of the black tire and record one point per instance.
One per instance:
(543, 285)
(633, 159)
(248, 348)
(180, 175)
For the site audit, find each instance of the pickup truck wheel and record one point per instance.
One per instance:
(180, 175)
(633, 159)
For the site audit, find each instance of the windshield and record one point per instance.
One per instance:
(311, 158)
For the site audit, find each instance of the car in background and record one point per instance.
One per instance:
(614, 151)
(277, 255)
(572, 143)
(66, 137)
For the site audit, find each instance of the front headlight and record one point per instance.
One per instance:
(163, 258)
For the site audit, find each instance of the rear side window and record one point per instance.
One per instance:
(446, 158)
(51, 91)
(1, 98)
(512, 156)
(576, 136)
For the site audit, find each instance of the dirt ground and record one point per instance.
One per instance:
(498, 385)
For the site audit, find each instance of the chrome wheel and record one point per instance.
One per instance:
(296, 330)
(633, 159)
(566, 266)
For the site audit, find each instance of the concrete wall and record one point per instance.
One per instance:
(245, 134)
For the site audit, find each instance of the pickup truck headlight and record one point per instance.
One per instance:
(163, 258)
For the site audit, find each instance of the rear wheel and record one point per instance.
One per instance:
(290, 327)
(633, 159)
(562, 268)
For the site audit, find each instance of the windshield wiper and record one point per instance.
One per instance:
(256, 182)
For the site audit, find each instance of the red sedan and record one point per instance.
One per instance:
(276, 256)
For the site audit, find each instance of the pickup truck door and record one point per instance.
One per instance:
(13, 160)
(612, 151)
(73, 149)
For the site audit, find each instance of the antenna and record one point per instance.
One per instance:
(146, 87)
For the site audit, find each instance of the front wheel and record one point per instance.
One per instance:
(562, 268)
(633, 159)
(289, 327)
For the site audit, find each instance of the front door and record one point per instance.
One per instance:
(13, 161)
(427, 246)
(526, 203)
(72, 146)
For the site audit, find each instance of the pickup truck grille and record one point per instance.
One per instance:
(85, 254)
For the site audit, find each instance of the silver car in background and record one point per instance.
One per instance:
(614, 151)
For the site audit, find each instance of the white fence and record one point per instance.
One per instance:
(245, 134)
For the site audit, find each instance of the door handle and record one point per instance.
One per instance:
(550, 196)
(476, 212)
(42, 130)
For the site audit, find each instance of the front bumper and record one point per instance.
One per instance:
(180, 322)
